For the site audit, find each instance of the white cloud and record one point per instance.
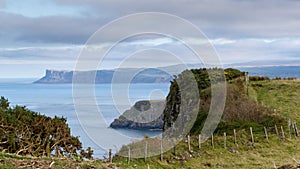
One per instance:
(151, 42)
(240, 30)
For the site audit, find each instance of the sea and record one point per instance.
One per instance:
(273, 71)
(57, 100)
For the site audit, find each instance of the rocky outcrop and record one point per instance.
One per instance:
(144, 115)
(55, 76)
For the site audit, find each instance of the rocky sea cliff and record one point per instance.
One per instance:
(144, 115)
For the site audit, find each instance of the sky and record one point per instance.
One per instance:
(50, 34)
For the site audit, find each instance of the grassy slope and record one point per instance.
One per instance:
(281, 95)
(10, 161)
(262, 155)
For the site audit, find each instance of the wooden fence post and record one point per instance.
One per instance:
(276, 130)
(247, 84)
(293, 129)
(199, 141)
(161, 149)
(296, 129)
(282, 133)
(234, 134)
(212, 140)
(174, 149)
(189, 142)
(251, 132)
(289, 128)
(266, 133)
(129, 155)
(146, 150)
(110, 156)
(225, 140)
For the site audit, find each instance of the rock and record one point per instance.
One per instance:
(233, 150)
(288, 166)
(144, 115)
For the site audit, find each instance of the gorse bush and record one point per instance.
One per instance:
(258, 78)
(25, 132)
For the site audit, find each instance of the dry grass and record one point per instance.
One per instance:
(280, 95)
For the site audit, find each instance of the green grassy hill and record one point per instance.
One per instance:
(280, 95)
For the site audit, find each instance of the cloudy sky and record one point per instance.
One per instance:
(49, 34)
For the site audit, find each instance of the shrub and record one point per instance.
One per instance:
(25, 132)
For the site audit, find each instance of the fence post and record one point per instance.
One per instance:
(296, 129)
(129, 155)
(247, 84)
(225, 140)
(276, 130)
(212, 140)
(234, 134)
(282, 133)
(174, 149)
(110, 156)
(266, 133)
(293, 129)
(289, 128)
(199, 141)
(189, 142)
(161, 149)
(251, 132)
(146, 150)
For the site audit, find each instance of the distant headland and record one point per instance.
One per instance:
(149, 75)
(164, 74)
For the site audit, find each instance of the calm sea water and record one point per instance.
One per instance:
(57, 100)
(273, 71)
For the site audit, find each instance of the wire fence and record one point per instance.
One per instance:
(157, 146)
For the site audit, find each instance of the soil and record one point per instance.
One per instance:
(59, 163)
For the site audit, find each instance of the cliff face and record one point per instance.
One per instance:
(150, 75)
(182, 89)
(54, 76)
(239, 111)
(143, 115)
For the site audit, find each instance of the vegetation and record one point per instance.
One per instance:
(258, 78)
(9, 161)
(281, 96)
(24, 132)
(262, 154)
(240, 111)
(184, 86)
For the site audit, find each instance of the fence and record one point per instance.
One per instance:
(147, 148)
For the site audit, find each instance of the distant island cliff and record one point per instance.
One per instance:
(149, 75)
(56, 76)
